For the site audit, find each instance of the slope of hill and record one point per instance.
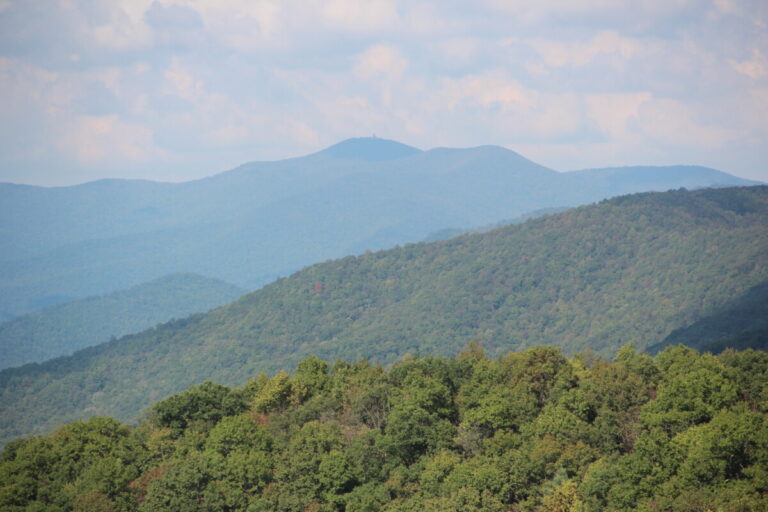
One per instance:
(62, 329)
(630, 269)
(742, 324)
(446, 233)
(72, 242)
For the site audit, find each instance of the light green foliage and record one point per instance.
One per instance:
(507, 393)
(275, 394)
(693, 389)
(529, 431)
(83, 464)
(723, 450)
(310, 379)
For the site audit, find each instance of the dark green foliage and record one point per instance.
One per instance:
(65, 328)
(418, 437)
(85, 464)
(741, 324)
(199, 407)
(632, 268)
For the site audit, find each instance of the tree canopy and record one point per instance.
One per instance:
(527, 431)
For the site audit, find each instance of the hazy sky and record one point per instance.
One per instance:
(180, 89)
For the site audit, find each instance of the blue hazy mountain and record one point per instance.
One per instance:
(64, 328)
(371, 149)
(262, 220)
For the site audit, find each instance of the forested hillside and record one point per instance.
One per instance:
(262, 220)
(742, 323)
(64, 328)
(630, 269)
(528, 431)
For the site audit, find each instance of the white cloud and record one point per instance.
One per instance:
(180, 82)
(727, 6)
(380, 61)
(533, 12)
(244, 79)
(613, 113)
(457, 52)
(674, 124)
(94, 140)
(754, 68)
(489, 90)
(606, 42)
(361, 15)
(244, 25)
(125, 27)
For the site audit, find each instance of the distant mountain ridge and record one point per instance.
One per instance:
(263, 220)
(631, 269)
(643, 178)
(65, 328)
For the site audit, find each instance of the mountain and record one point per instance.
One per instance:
(742, 324)
(447, 233)
(643, 178)
(62, 329)
(263, 220)
(630, 269)
(370, 149)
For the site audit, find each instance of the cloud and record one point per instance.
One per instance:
(614, 113)
(180, 82)
(95, 140)
(168, 87)
(361, 16)
(755, 68)
(244, 25)
(172, 16)
(672, 123)
(491, 90)
(606, 42)
(380, 61)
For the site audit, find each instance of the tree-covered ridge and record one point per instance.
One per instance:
(741, 324)
(64, 328)
(527, 431)
(630, 269)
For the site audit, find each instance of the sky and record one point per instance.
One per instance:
(181, 89)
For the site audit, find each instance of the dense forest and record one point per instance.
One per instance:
(527, 431)
(64, 328)
(629, 269)
(740, 324)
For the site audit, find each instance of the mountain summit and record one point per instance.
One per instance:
(370, 149)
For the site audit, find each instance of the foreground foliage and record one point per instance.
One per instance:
(528, 431)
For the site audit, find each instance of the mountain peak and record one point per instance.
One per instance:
(370, 149)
